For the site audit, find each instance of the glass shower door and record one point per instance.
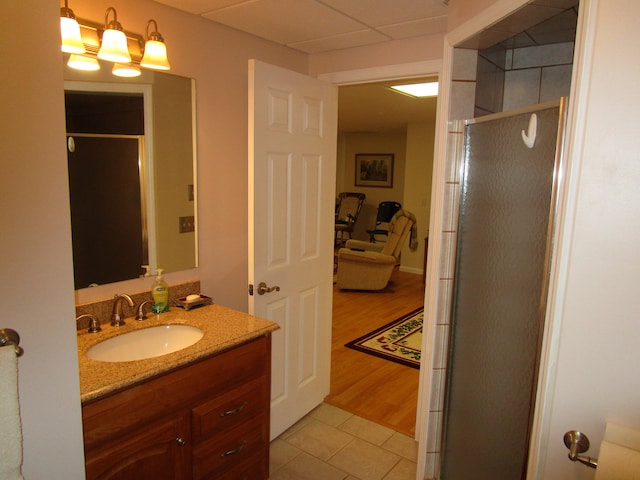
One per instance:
(504, 239)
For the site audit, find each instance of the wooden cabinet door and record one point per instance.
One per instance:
(160, 452)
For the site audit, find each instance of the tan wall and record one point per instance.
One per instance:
(417, 188)
(370, 143)
(173, 167)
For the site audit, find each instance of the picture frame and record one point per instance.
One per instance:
(374, 170)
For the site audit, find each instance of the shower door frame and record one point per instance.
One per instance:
(554, 202)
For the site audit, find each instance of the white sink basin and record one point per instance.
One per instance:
(146, 343)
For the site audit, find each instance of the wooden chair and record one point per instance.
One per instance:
(347, 211)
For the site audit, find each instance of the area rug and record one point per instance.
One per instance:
(400, 341)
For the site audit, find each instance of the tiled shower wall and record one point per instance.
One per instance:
(482, 83)
(519, 77)
(463, 88)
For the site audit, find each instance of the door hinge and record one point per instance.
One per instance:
(251, 289)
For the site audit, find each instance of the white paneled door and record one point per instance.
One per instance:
(292, 168)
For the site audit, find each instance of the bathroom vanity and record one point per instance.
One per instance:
(199, 413)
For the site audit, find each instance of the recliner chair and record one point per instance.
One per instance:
(368, 266)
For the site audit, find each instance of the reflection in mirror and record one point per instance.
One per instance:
(130, 147)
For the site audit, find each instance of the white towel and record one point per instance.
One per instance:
(619, 456)
(10, 427)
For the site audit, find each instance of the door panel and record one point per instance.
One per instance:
(292, 162)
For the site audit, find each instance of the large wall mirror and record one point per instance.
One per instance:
(131, 154)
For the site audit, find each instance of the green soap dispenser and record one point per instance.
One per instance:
(160, 294)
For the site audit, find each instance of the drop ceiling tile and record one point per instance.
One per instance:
(427, 26)
(388, 12)
(336, 42)
(264, 18)
(199, 6)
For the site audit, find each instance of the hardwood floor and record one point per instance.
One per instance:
(377, 389)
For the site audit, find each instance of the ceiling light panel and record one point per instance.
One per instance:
(420, 90)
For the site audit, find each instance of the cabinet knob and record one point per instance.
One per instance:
(181, 441)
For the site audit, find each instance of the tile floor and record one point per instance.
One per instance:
(332, 444)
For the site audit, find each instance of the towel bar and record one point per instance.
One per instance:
(11, 337)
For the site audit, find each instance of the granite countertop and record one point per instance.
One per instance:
(223, 328)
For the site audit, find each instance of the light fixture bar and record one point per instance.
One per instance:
(91, 33)
(420, 90)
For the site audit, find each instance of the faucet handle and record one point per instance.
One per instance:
(94, 324)
(140, 314)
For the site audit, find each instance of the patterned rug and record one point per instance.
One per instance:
(400, 341)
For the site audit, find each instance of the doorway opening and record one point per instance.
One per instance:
(372, 119)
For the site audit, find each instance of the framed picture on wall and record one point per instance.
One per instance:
(374, 170)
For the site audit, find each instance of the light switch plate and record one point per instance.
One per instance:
(187, 224)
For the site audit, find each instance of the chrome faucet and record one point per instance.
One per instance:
(94, 324)
(117, 317)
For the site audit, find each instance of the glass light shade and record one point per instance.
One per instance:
(80, 62)
(155, 56)
(114, 47)
(122, 70)
(70, 35)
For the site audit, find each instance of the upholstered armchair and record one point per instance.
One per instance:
(368, 266)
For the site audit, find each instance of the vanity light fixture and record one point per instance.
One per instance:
(83, 62)
(114, 41)
(126, 70)
(70, 31)
(155, 50)
(420, 90)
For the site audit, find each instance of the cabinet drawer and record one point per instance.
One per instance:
(232, 450)
(229, 410)
(253, 469)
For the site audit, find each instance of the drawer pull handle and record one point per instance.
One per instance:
(181, 441)
(235, 450)
(234, 411)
